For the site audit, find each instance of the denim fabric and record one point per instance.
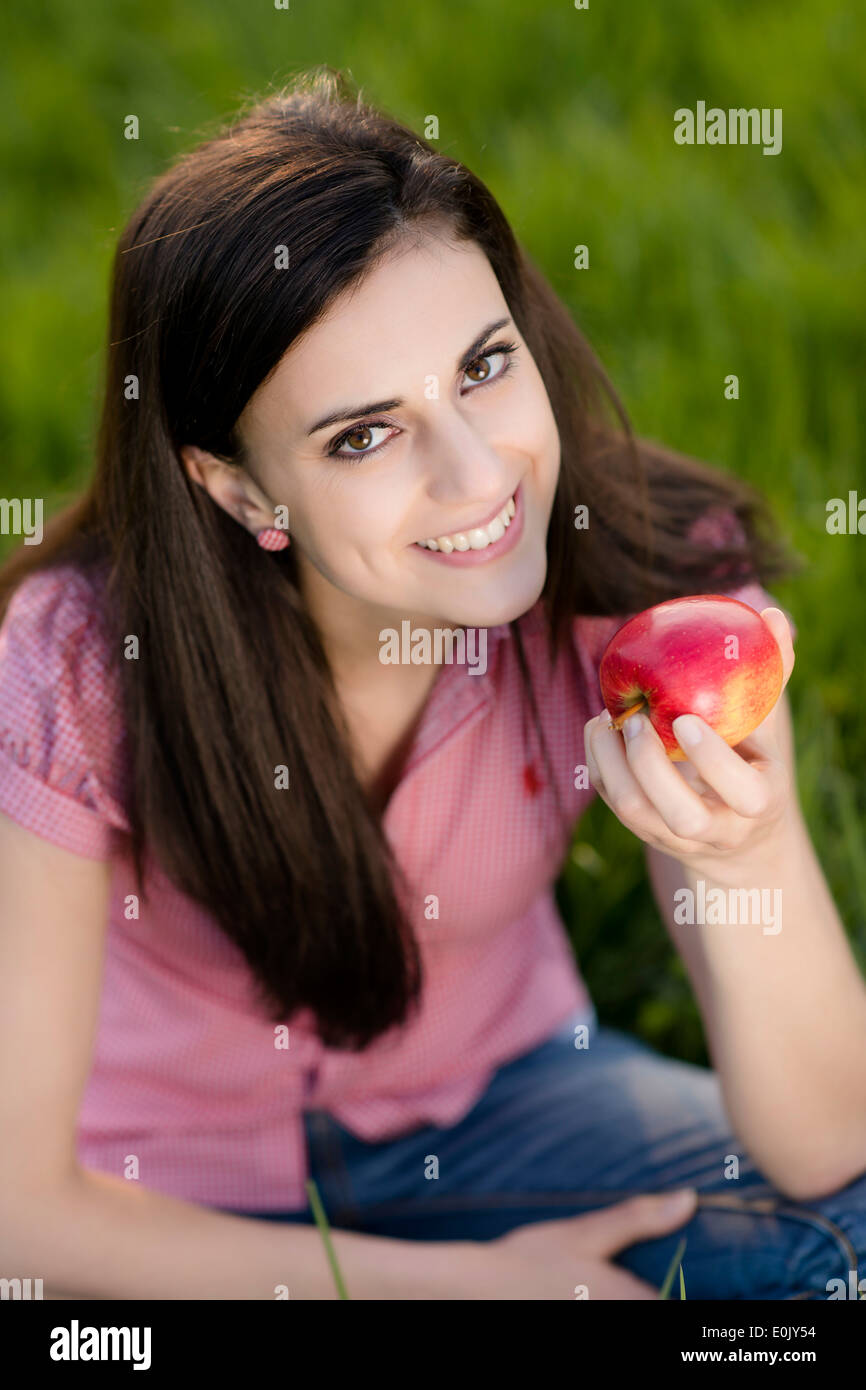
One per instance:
(561, 1130)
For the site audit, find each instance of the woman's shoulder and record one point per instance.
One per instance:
(54, 637)
(591, 633)
(61, 732)
(62, 604)
(714, 528)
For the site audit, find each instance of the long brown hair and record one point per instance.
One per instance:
(232, 679)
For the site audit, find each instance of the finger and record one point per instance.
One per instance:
(680, 807)
(623, 793)
(781, 630)
(613, 1228)
(740, 784)
(595, 776)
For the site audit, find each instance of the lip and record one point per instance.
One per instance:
(490, 552)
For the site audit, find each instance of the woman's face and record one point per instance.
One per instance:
(462, 427)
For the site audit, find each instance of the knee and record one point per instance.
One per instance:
(827, 1259)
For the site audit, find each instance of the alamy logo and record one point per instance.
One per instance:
(737, 126)
(419, 647)
(708, 907)
(21, 1288)
(75, 1343)
(22, 518)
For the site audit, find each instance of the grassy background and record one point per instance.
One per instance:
(703, 261)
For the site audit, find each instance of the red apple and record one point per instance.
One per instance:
(679, 657)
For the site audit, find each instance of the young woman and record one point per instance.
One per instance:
(272, 907)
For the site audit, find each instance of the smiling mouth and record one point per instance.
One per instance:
(477, 537)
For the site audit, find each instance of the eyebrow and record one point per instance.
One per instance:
(349, 412)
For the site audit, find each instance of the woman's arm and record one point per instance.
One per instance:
(98, 1236)
(784, 1014)
(91, 1235)
(782, 1000)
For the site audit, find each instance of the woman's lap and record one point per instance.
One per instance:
(562, 1130)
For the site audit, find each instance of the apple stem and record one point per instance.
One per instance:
(626, 713)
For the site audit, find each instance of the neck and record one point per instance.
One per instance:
(349, 628)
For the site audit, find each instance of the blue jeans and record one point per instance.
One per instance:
(561, 1130)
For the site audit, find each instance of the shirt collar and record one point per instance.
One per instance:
(459, 696)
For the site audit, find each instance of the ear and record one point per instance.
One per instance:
(193, 460)
(229, 486)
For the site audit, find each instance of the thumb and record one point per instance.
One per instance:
(781, 629)
(639, 1218)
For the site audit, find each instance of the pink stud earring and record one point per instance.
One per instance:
(271, 538)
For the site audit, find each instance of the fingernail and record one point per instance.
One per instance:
(678, 1203)
(633, 726)
(687, 729)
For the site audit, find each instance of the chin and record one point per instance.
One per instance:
(506, 605)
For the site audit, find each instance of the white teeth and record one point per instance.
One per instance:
(479, 537)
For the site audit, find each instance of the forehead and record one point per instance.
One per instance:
(413, 314)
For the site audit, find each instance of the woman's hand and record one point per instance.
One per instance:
(571, 1258)
(719, 803)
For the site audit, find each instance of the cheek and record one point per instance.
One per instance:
(536, 428)
(356, 522)
(543, 447)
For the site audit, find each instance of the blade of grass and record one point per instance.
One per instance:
(682, 1285)
(669, 1277)
(325, 1232)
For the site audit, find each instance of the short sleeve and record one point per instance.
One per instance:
(592, 633)
(61, 738)
(723, 527)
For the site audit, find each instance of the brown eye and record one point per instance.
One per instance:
(480, 371)
(359, 438)
(354, 443)
(479, 365)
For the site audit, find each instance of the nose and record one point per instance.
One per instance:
(464, 466)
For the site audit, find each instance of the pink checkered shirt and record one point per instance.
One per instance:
(185, 1072)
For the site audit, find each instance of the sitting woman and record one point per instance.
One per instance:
(273, 908)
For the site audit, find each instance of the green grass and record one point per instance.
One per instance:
(703, 261)
(664, 1291)
(325, 1232)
